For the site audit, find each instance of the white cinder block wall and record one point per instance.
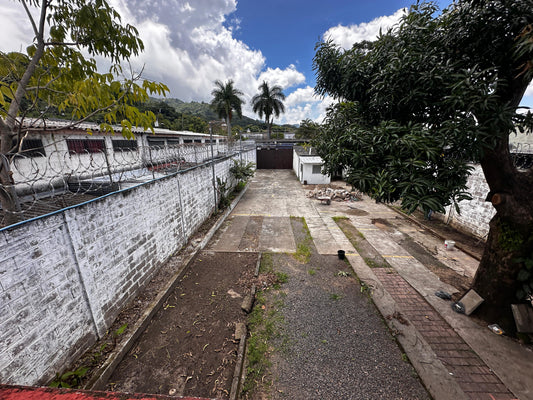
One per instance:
(65, 277)
(476, 213)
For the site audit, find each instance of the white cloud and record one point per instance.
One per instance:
(285, 78)
(186, 43)
(190, 50)
(346, 36)
(15, 31)
(304, 104)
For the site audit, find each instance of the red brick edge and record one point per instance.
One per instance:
(8, 392)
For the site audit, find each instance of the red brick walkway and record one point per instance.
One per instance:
(470, 372)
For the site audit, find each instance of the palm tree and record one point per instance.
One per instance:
(269, 102)
(226, 99)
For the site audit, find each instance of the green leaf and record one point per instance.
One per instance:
(121, 330)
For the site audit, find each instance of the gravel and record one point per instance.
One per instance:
(334, 343)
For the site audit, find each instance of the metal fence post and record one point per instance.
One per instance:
(108, 166)
(213, 168)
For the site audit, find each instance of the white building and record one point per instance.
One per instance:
(308, 167)
(54, 154)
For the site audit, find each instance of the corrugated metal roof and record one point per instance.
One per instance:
(54, 124)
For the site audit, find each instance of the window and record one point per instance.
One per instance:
(124, 145)
(187, 141)
(156, 142)
(197, 140)
(31, 148)
(79, 146)
(317, 169)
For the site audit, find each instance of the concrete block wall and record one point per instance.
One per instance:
(65, 277)
(476, 213)
(44, 317)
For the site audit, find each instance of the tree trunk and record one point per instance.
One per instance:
(8, 196)
(269, 128)
(510, 236)
(228, 126)
(496, 278)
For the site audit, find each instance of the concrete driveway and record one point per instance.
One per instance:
(261, 220)
(478, 363)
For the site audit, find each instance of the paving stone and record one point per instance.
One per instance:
(471, 301)
(471, 374)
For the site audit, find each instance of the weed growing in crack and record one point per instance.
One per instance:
(303, 247)
(335, 296)
(265, 324)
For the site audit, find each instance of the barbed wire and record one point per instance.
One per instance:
(62, 178)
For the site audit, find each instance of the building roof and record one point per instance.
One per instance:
(311, 160)
(36, 124)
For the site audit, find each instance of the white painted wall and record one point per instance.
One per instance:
(302, 166)
(313, 178)
(476, 213)
(65, 277)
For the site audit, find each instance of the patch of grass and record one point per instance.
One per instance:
(311, 272)
(303, 247)
(405, 358)
(265, 323)
(303, 253)
(337, 218)
(257, 348)
(281, 277)
(267, 264)
(357, 239)
(335, 296)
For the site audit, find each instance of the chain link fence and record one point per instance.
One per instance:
(59, 179)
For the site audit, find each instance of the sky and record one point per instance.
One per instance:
(191, 43)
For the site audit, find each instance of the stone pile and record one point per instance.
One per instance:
(334, 194)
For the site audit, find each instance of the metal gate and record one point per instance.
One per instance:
(274, 158)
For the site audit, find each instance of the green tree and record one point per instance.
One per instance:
(55, 75)
(269, 102)
(227, 99)
(169, 118)
(308, 130)
(431, 95)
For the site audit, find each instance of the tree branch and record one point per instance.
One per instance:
(21, 88)
(34, 27)
(62, 43)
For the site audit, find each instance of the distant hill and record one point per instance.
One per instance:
(203, 111)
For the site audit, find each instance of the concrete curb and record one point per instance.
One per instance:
(432, 372)
(240, 374)
(239, 366)
(107, 369)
